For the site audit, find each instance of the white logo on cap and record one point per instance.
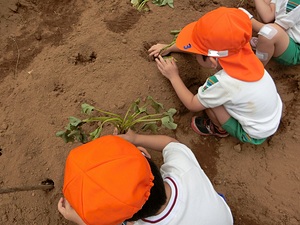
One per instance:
(215, 53)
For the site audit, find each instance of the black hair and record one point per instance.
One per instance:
(157, 196)
(204, 57)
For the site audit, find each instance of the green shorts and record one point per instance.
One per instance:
(291, 55)
(235, 129)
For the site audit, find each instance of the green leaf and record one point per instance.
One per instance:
(156, 105)
(74, 121)
(171, 112)
(60, 133)
(64, 136)
(96, 133)
(150, 126)
(168, 123)
(86, 108)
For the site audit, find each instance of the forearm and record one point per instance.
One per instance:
(174, 48)
(185, 95)
(256, 25)
(154, 142)
(266, 10)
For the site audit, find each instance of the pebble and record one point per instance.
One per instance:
(237, 148)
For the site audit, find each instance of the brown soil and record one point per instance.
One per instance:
(58, 54)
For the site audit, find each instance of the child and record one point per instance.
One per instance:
(241, 99)
(279, 34)
(110, 180)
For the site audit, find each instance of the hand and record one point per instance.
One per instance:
(155, 50)
(167, 67)
(129, 136)
(68, 212)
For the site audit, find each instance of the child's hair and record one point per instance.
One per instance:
(157, 196)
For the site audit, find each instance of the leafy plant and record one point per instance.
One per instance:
(164, 2)
(140, 4)
(135, 116)
(175, 34)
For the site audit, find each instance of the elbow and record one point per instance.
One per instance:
(192, 108)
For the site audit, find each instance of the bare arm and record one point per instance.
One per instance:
(154, 142)
(156, 50)
(265, 10)
(256, 25)
(169, 69)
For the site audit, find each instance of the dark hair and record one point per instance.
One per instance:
(204, 57)
(157, 196)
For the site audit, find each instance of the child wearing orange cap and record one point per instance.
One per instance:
(241, 98)
(112, 179)
(279, 34)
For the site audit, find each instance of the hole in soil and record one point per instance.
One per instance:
(47, 182)
(82, 59)
(0, 151)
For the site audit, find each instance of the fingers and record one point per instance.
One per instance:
(115, 132)
(60, 206)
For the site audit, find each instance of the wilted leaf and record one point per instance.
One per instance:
(86, 108)
(156, 105)
(150, 126)
(96, 133)
(168, 123)
(74, 121)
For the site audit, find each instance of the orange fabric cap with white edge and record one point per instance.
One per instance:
(224, 33)
(107, 180)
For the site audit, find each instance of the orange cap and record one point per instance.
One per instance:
(107, 180)
(224, 33)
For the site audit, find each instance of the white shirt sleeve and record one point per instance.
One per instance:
(212, 93)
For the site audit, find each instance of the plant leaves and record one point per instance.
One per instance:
(164, 2)
(168, 123)
(171, 112)
(74, 121)
(64, 136)
(96, 133)
(86, 108)
(150, 126)
(156, 105)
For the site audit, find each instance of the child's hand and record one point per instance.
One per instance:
(156, 50)
(68, 212)
(167, 67)
(129, 136)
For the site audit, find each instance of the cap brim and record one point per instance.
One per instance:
(185, 42)
(243, 65)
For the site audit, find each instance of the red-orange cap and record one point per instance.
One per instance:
(107, 180)
(224, 33)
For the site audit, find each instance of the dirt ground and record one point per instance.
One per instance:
(58, 54)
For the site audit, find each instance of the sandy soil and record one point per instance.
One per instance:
(43, 82)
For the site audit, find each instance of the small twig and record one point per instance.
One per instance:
(16, 68)
(44, 187)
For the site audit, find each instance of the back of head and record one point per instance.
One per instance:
(224, 33)
(107, 180)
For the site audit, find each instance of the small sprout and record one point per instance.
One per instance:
(149, 116)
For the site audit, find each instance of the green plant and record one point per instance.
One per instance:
(164, 2)
(175, 34)
(140, 4)
(135, 116)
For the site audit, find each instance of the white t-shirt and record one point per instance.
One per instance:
(290, 21)
(255, 105)
(193, 199)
